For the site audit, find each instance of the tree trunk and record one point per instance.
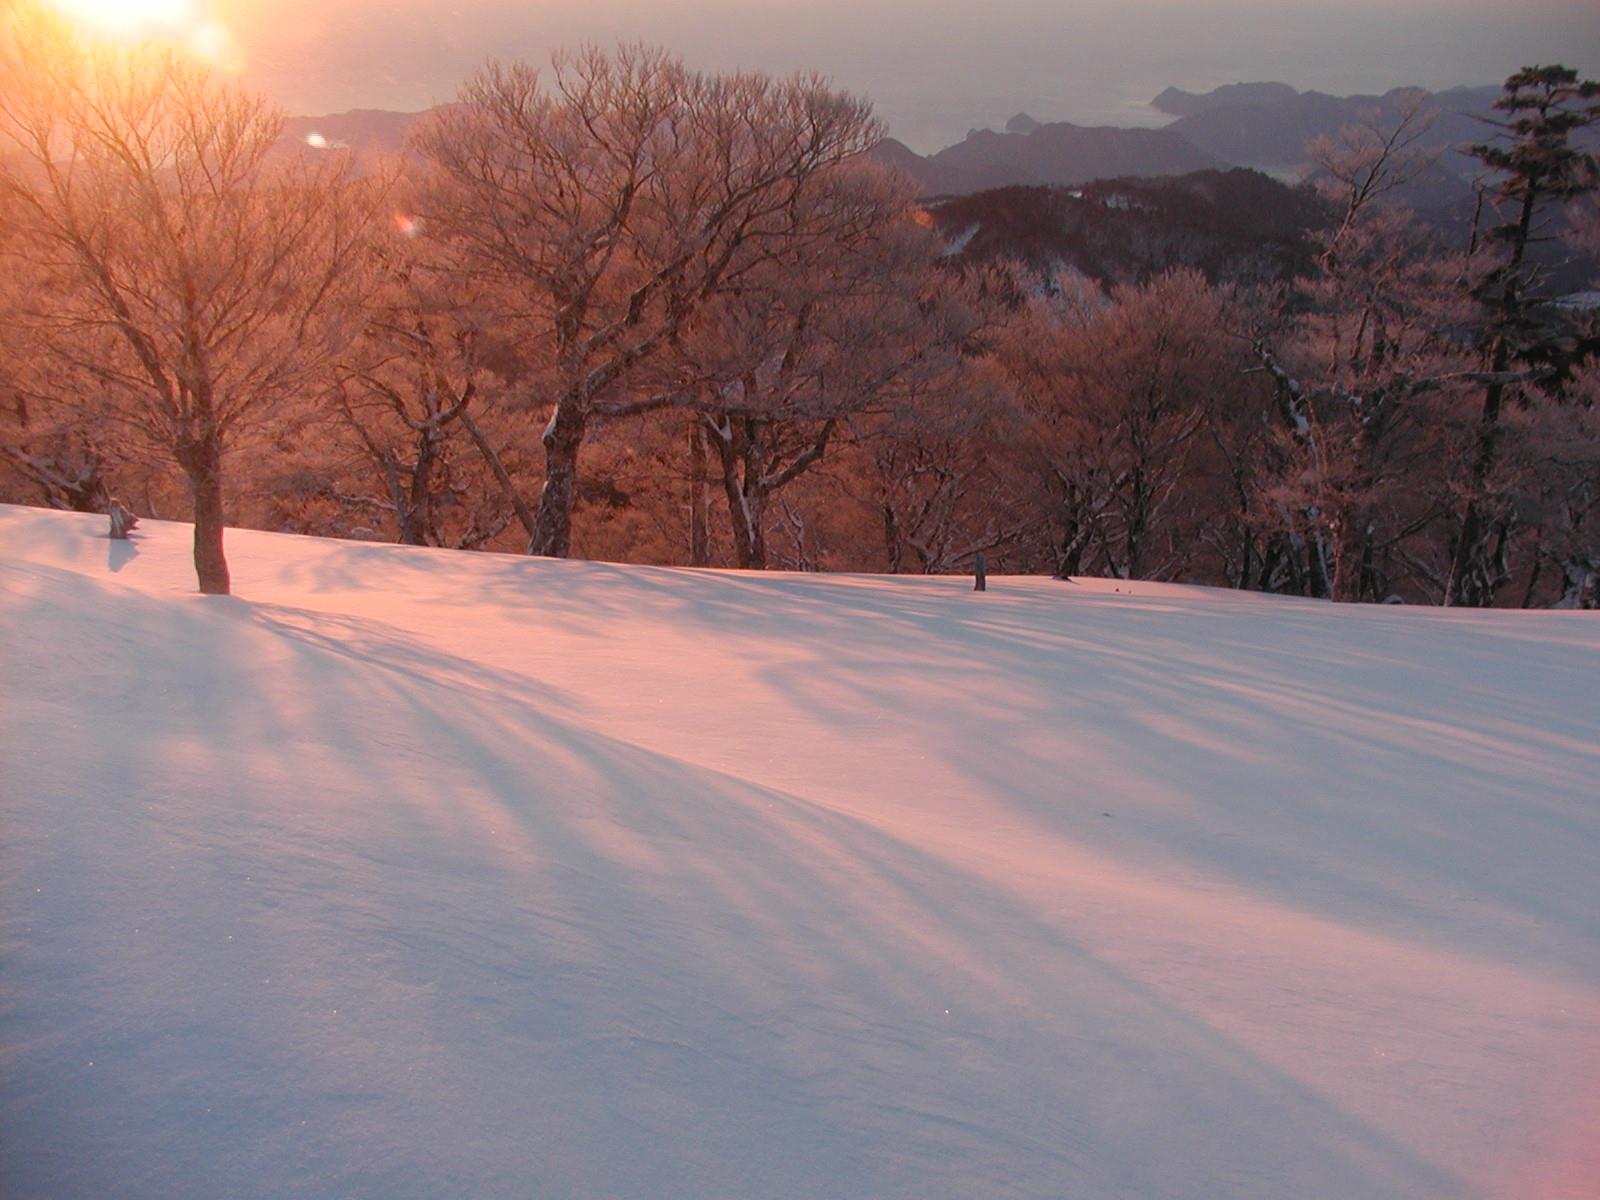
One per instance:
(497, 468)
(699, 497)
(891, 537)
(1069, 552)
(1369, 586)
(416, 518)
(201, 460)
(747, 505)
(748, 451)
(1247, 560)
(738, 442)
(1472, 581)
(552, 535)
(1534, 573)
(1281, 572)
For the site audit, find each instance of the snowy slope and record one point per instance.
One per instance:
(414, 874)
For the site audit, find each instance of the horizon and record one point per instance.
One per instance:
(931, 71)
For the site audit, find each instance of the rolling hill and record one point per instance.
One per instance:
(412, 873)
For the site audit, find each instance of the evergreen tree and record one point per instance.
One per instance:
(1537, 164)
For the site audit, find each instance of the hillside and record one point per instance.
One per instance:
(1234, 226)
(408, 873)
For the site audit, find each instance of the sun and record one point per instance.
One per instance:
(131, 19)
(183, 22)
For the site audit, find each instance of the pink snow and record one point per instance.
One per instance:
(409, 873)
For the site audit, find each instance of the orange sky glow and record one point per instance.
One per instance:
(932, 67)
(188, 23)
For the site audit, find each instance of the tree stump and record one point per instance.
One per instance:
(122, 521)
(980, 581)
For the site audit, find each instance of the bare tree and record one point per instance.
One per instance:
(190, 278)
(1117, 394)
(411, 394)
(786, 355)
(945, 477)
(1367, 161)
(614, 202)
(43, 455)
(1553, 454)
(1377, 360)
(1363, 367)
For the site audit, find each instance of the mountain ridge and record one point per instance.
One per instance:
(1264, 125)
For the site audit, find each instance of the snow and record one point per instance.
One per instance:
(407, 873)
(961, 241)
(1578, 300)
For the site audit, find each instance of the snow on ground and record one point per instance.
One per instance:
(407, 873)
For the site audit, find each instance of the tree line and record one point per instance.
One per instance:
(623, 309)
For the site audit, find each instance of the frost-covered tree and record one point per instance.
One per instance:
(1371, 368)
(790, 354)
(413, 400)
(945, 475)
(1534, 164)
(612, 199)
(195, 282)
(1117, 393)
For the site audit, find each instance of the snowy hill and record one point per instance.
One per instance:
(415, 874)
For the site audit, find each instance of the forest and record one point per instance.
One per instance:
(615, 308)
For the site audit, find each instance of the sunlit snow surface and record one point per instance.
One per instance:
(414, 874)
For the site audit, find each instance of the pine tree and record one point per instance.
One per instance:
(1537, 164)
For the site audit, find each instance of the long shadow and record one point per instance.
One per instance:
(1174, 701)
(119, 553)
(1317, 756)
(1383, 758)
(406, 904)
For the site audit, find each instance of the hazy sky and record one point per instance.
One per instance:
(933, 67)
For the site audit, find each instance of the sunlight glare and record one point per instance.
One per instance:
(179, 21)
(131, 19)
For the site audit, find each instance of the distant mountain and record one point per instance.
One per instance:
(1233, 226)
(364, 130)
(1262, 125)
(1275, 132)
(1053, 154)
(1268, 126)
(1180, 103)
(1031, 153)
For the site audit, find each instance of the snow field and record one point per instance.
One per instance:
(407, 873)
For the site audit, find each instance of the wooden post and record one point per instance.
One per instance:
(981, 582)
(122, 521)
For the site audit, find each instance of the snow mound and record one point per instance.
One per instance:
(407, 873)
